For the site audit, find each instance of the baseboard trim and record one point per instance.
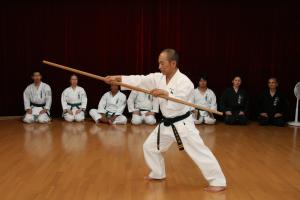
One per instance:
(10, 117)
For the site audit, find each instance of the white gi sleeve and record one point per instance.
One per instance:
(64, 101)
(26, 97)
(121, 105)
(147, 82)
(102, 104)
(213, 103)
(193, 100)
(48, 97)
(131, 101)
(83, 99)
(155, 105)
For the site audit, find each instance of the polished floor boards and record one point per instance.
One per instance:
(85, 161)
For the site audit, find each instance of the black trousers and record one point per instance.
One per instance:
(278, 121)
(235, 118)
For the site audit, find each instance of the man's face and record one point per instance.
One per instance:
(202, 83)
(36, 77)
(74, 80)
(114, 88)
(165, 66)
(237, 82)
(272, 83)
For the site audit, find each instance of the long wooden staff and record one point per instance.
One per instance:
(130, 87)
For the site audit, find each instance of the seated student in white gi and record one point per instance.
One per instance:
(205, 97)
(37, 100)
(74, 101)
(111, 107)
(143, 107)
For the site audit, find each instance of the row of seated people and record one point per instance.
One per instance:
(272, 104)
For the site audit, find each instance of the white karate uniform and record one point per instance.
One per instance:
(180, 87)
(209, 100)
(74, 96)
(139, 101)
(112, 105)
(40, 95)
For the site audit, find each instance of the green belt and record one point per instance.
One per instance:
(109, 114)
(73, 105)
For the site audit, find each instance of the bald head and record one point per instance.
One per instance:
(168, 60)
(171, 54)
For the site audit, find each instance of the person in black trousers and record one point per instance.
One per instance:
(235, 103)
(272, 105)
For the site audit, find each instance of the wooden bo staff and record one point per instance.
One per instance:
(131, 87)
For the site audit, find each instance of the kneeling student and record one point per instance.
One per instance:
(37, 100)
(143, 108)
(272, 105)
(204, 96)
(74, 101)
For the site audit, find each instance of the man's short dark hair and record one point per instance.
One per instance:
(172, 54)
(237, 76)
(36, 72)
(203, 77)
(273, 78)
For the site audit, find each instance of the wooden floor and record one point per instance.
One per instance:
(75, 161)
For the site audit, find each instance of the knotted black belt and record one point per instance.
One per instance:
(144, 110)
(198, 113)
(170, 122)
(40, 105)
(37, 105)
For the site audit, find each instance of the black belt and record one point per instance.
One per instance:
(73, 105)
(198, 113)
(170, 122)
(40, 105)
(37, 105)
(144, 110)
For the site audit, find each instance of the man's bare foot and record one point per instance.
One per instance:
(153, 179)
(214, 188)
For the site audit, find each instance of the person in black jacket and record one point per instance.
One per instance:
(235, 103)
(272, 105)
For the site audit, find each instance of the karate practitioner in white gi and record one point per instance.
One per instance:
(204, 96)
(178, 125)
(143, 107)
(37, 100)
(111, 107)
(74, 101)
